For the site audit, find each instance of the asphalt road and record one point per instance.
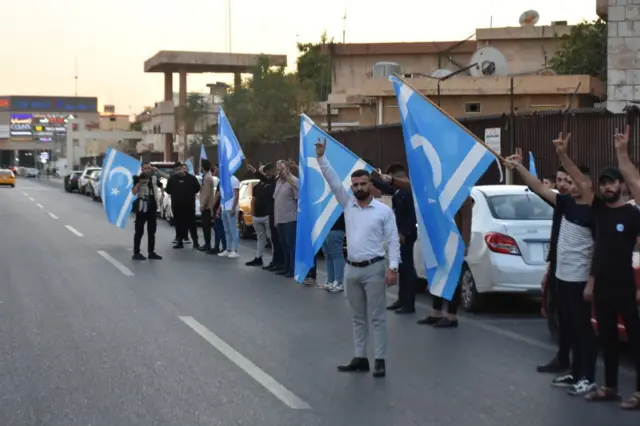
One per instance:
(89, 337)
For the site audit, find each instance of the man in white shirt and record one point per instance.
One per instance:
(369, 225)
(229, 211)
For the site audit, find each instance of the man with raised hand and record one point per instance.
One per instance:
(613, 287)
(369, 224)
(572, 252)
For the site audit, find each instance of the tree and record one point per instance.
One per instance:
(199, 119)
(314, 67)
(267, 105)
(583, 51)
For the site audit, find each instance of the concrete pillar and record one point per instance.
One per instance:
(237, 81)
(182, 127)
(168, 96)
(623, 54)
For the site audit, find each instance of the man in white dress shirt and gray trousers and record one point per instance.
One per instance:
(369, 224)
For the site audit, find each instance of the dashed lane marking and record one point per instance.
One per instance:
(119, 266)
(74, 231)
(53, 216)
(40, 205)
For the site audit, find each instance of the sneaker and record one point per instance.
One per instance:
(154, 256)
(337, 288)
(138, 256)
(255, 262)
(323, 286)
(224, 253)
(583, 387)
(309, 281)
(565, 381)
(233, 255)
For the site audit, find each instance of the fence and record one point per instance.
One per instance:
(591, 142)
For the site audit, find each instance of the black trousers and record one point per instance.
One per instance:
(278, 256)
(564, 321)
(206, 227)
(453, 305)
(408, 276)
(613, 299)
(148, 218)
(185, 220)
(582, 337)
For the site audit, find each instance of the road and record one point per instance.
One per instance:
(91, 338)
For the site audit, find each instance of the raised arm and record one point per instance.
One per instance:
(582, 182)
(514, 162)
(330, 175)
(627, 168)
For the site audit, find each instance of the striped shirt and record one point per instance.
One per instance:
(575, 242)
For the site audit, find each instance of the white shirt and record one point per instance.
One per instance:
(368, 228)
(235, 184)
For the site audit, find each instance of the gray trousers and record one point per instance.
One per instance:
(367, 296)
(261, 226)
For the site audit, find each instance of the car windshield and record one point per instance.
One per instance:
(166, 170)
(5, 172)
(519, 207)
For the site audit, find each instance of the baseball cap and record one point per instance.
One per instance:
(611, 173)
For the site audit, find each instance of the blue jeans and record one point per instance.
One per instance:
(230, 230)
(287, 235)
(221, 240)
(334, 256)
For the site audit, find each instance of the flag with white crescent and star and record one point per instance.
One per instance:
(115, 187)
(318, 208)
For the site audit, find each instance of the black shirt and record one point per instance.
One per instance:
(264, 191)
(183, 190)
(615, 239)
(339, 225)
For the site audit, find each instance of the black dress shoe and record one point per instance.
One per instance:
(379, 368)
(429, 320)
(213, 251)
(255, 262)
(154, 256)
(404, 310)
(205, 248)
(138, 256)
(394, 306)
(178, 246)
(357, 365)
(446, 323)
(553, 366)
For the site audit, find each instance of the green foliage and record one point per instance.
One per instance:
(198, 118)
(135, 126)
(314, 67)
(267, 105)
(583, 51)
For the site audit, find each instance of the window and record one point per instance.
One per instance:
(472, 108)
(76, 142)
(244, 191)
(74, 127)
(519, 207)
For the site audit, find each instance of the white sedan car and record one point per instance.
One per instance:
(510, 233)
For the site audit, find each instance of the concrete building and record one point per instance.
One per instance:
(183, 63)
(623, 51)
(524, 81)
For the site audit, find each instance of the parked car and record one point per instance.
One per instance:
(30, 172)
(71, 181)
(83, 180)
(549, 305)
(93, 189)
(7, 178)
(510, 233)
(245, 215)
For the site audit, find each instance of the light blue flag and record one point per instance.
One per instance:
(230, 156)
(189, 165)
(203, 153)
(532, 165)
(115, 186)
(445, 162)
(318, 208)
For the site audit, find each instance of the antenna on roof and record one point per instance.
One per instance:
(75, 77)
(344, 26)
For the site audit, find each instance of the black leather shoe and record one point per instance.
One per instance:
(379, 368)
(154, 256)
(205, 248)
(178, 246)
(394, 306)
(138, 256)
(553, 366)
(404, 310)
(213, 251)
(255, 262)
(357, 365)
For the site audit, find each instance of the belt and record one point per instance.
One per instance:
(365, 262)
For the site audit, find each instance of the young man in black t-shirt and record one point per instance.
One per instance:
(612, 286)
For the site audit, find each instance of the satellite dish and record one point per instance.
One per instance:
(491, 62)
(529, 18)
(441, 73)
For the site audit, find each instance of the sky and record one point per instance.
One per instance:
(109, 40)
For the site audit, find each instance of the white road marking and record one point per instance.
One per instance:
(119, 266)
(53, 216)
(25, 194)
(268, 382)
(40, 205)
(31, 198)
(74, 231)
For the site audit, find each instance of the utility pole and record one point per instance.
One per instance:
(75, 77)
(344, 26)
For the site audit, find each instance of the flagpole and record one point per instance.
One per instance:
(469, 132)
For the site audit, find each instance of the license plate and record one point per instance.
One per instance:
(545, 250)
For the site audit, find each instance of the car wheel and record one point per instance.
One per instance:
(470, 298)
(13, 186)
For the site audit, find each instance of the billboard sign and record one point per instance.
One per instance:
(20, 126)
(4, 103)
(42, 127)
(53, 104)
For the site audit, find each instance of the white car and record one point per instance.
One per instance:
(31, 172)
(510, 233)
(83, 180)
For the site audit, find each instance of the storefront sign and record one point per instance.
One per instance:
(52, 103)
(4, 103)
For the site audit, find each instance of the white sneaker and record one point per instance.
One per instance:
(329, 285)
(583, 387)
(322, 286)
(233, 255)
(337, 288)
(224, 253)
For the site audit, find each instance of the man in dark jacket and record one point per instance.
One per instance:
(183, 188)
